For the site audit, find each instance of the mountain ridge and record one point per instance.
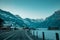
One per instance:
(36, 23)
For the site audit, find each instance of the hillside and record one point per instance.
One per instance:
(52, 21)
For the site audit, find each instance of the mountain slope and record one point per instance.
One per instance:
(52, 21)
(33, 22)
(8, 17)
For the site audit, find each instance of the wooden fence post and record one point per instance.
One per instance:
(43, 35)
(37, 34)
(57, 36)
(33, 33)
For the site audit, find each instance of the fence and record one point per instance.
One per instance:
(43, 35)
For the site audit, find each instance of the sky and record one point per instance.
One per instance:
(34, 9)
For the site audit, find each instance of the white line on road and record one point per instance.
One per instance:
(9, 36)
(28, 36)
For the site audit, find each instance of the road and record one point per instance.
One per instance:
(15, 35)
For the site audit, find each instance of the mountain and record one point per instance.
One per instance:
(17, 21)
(52, 21)
(33, 22)
(11, 19)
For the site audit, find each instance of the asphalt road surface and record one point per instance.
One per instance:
(15, 35)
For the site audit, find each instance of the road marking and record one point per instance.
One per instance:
(9, 37)
(28, 36)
